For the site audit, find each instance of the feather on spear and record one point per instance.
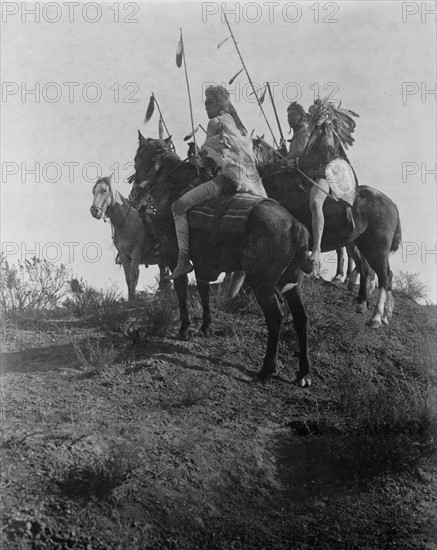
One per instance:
(235, 76)
(150, 109)
(179, 52)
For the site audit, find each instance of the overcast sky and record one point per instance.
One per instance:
(93, 66)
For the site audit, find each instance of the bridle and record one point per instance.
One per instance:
(111, 199)
(154, 171)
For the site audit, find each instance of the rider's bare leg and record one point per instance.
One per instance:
(317, 198)
(207, 190)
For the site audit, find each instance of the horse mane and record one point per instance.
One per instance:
(278, 181)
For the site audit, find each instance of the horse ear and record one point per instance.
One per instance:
(167, 140)
(141, 138)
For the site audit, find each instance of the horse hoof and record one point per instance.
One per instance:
(205, 332)
(337, 279)
(265, 374)
(361, 308)
(185, 335)
(303, 381)
(385, 320)
(373, 323)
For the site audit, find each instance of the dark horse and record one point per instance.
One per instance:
(376, 234)
(273, 251)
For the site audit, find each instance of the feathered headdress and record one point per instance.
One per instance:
(324, 115)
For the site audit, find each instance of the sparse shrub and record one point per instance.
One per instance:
(97, 477)
(32, 288)
(86, 300)
(95, 355)
(154, 318)
(244, 302)
(387, 406)
(409, 286)
(194, 390)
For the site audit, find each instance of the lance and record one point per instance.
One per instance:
(265, 118)
(250, 80)
(274, 110)
(181, 53)
(153, 101)
(162, 118)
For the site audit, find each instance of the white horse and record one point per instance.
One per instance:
(133, 239)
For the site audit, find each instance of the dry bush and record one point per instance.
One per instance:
(387, 406)
(94, 356)
(32, 288)
(409, 286)
(96, 477)
(152, 318)
(194, 390)
(85, 300)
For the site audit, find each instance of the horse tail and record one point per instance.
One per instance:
(300, 238)
(236, 283)
(397, 237)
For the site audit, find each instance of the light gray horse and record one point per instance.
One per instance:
(133, 239)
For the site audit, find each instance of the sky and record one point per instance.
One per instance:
(77, 77)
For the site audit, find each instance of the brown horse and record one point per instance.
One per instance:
(134, 240)
(376, 234)
(272, 251)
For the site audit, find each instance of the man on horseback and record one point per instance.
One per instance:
(297, 119)
(229, 146)
(324, 161)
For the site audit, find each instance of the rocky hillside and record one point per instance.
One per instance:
(120, 438)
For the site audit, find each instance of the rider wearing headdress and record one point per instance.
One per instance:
(325, 161)
(229, 146)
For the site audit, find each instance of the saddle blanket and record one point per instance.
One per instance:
(341, 179)
(224, 214)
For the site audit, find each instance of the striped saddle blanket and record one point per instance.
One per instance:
(225, 214)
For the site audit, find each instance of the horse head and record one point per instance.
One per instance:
(263, 152)
(151, 156)
(103, 197)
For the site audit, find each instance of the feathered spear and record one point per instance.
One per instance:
(162, 125)
(180, 57)
(150, 109)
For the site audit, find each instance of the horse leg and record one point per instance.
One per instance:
(203, 289)
(134, 276)
(164, 279)
(268, 302)
(378, 260)
(180, 286)
(127, 267)
(340, 266)
(351, 271)
(389, 305)
(292, 292)
(362, 268)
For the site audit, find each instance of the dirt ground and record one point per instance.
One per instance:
(175, 445)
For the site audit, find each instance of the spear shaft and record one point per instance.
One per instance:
(274, 110)
(160, 114)
(250, 80)
(163, 121)
(189, 94)
(262, 110)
